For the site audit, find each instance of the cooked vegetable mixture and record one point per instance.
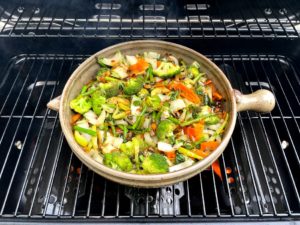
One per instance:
(148, 114)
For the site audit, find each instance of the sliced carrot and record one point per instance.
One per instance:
(215, 94)
(158, 63)
(171, 155)
(153, 126)
(216, 168)
(195, 132)
(75, 117)
(207, 82)
(185, 92)
(201, 153)
(190, 132)
(139, 67)
(209, 145)
(199, 127)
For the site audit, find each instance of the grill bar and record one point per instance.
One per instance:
(7, 124)
(226, 182)
(263, 186)
(249, 161)
(287, 129)
(10, 147)
(239, 177)
(202, 195)
(254, 176)
(35, 150)
(190, 19)
(258, 148)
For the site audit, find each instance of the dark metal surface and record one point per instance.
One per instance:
(256, 43)
(150, 18)
(43, 179)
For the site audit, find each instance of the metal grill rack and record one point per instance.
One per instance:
(150, 18)
(43, 179)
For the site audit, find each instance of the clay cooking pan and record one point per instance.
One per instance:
(261, 101)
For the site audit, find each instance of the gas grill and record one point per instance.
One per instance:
(256, 44)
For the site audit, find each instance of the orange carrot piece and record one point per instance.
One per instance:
(215, 94)
(139, 67)
(209, 145)
(195, 132)
(190, 132)
(171, 155)
(216, 168)
(208, 82)
(201, 153)
(158, 63)
(75, 117)
(153, 126)
(185, 92)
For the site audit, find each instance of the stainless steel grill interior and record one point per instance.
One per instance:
(255, 43)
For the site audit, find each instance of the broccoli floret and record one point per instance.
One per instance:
(165, 129)
(143, 93)
(110, 89)
(97, 101)
(110, 62)
(127, 148)
(155, 163)
(102, 71)
(166, 70)
(81, 104)
(179, 158)
(118, 161)
(153, 102)
(134, 85)
(194, 69)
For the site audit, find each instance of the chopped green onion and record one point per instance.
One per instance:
(158, 115)
(83, 90)
(220, 129)
(189, 153)
(193, 120)
(125, 131)
(85, 130)
(198, 77)
(141, 122)
(174, 120)
(150, 74)
(112, 79)
(91, 91)
(113, 129)
(137, 122)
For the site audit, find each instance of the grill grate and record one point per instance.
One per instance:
(150, 18)
(43, 178)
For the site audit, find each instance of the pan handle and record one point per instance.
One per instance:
(260, 101)
(54, 104)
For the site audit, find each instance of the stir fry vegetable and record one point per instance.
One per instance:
(148, 114)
